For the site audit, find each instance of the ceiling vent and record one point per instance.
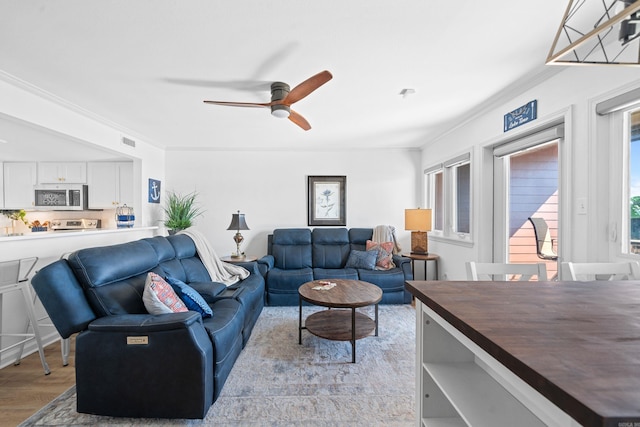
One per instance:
(129, 142)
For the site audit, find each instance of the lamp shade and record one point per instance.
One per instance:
(417, 219)
(238, 222)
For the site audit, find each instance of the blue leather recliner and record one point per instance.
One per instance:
(133, 364)
(299, 255)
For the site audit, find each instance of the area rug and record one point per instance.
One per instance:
(277, 382)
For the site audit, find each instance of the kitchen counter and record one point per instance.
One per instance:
(68, 233)
(50, 245)
(577, 344)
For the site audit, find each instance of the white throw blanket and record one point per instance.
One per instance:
(219, 271)
(386, 233)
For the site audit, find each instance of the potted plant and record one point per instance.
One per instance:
(180, 211)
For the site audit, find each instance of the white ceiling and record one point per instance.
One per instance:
(148, 64)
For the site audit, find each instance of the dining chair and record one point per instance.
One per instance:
(588, 271)
(14, 277)
(505, 271)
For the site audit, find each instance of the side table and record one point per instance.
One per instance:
(232, 260)
(426, 258)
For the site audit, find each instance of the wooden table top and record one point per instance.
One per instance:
(346, 293)
(577, 343)
(234, 260)
(422, 257)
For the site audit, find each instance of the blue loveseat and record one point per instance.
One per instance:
(299, 255)
(133, 364)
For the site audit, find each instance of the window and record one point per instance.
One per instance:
(437, 205)
(624, 191)
(462, 200)
(526, 184)
(448, 194)
(633, 184)
(622, 112)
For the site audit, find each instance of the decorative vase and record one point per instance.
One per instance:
(9, 229)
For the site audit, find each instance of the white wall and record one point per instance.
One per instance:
(270, 188)
(21, 101)
(571, 94)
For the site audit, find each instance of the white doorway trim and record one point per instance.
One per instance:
(490, 219)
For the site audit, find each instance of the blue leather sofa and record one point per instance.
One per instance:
(133, 364)
(299, 255)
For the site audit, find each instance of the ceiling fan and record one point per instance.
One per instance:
(282, 98)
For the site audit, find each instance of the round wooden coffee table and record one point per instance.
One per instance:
(340, 325)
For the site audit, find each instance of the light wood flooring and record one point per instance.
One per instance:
(24, 388)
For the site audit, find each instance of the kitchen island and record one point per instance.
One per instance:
(550, 353)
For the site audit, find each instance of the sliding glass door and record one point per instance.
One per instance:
(526, 182)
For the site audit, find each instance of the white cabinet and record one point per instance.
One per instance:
(110, 184)
(459, 384)
(62, 172)
(18, 181)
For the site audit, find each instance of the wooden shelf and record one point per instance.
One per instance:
(336, 325)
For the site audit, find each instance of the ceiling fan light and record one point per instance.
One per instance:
(280, 111)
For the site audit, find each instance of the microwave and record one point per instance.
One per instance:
(61, 197)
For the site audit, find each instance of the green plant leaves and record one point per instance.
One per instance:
(181, 210)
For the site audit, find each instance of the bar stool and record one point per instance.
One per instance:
(65, 343)
(11, 280)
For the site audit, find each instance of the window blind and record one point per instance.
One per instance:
(620, 102)
(529, 141)
(433, 168)
(463, 158)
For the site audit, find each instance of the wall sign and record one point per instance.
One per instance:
(154, 191)
(522, 115)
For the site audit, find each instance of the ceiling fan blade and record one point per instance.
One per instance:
(299, 120)
(240, 104)
(306, 87)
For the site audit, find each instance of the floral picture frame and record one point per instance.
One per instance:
(326, 200)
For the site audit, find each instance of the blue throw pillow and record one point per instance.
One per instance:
(191, 298)
(365, 260)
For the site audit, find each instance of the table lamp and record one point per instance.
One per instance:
(418, 221)
(238, 223)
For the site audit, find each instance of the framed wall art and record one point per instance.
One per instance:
(327, 200)
(154, 190)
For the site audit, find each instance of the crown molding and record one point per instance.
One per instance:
(68, 105)
(501, 97)
(290, 149)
